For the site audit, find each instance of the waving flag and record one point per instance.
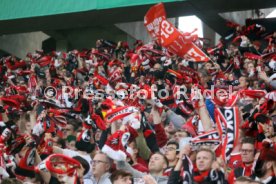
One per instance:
(170, 37)
(153, 18)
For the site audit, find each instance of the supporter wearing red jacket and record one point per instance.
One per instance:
(247, 155)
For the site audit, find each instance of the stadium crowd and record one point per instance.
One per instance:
(120, 113)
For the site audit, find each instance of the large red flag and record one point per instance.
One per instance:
(153, 19)
(177, 43)
(170, 37)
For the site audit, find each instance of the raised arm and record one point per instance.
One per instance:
(202, 111)
(126, 167)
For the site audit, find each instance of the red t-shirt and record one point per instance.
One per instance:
(235, 160)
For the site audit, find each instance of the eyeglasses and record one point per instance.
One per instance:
(170, 149)
(98, 162)
(67, 129)
(246, 151)
(157, 69)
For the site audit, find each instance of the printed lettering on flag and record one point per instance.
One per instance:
(153, 19)
(175, 42)
(170, 37)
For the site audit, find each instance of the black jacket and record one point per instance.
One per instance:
(214, 177)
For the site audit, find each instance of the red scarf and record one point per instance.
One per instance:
(200, 176)
(247, 170)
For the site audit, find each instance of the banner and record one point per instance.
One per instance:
(170, 37)
(227, 120)
(177, 43)
(211, 138)
(119, 113)
(153, 19)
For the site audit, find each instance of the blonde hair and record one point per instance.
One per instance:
(207, 150)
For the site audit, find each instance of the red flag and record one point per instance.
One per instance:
(153, 19)
(195, 54)
(170, 37)
(177, 43)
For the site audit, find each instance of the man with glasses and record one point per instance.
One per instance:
(247, 155)
(171, 153)
(100, 169)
